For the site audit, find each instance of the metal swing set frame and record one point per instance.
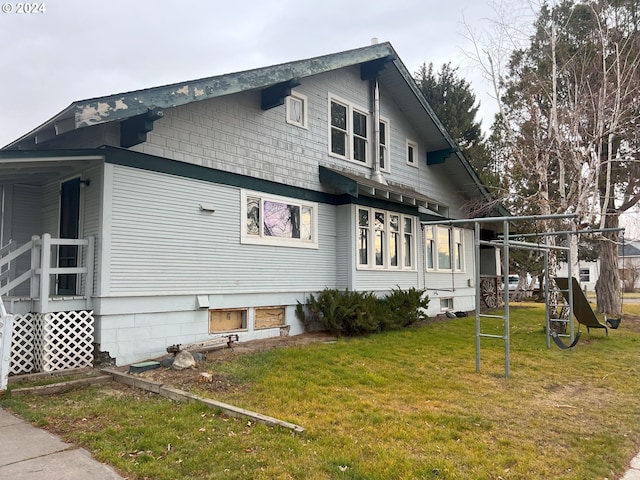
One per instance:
(505, 244)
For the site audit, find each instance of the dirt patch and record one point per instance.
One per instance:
(190, 378)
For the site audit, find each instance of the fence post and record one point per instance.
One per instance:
(45, 265)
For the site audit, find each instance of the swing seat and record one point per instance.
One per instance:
(581, 308)
(560, 343)
(613, 323)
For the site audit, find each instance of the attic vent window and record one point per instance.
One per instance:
(296, 107)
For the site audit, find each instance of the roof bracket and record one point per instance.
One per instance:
(133, 131)
(370, 70)
(274, 95)
(440, 156)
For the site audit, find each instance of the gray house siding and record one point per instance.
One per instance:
(176, 248)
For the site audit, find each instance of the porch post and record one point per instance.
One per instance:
(45, 265)
(88, 281)
(6, 332)
(34, 287)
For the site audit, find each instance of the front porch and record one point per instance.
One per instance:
(51, 326)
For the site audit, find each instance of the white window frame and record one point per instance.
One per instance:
(291, 101)
(385, 235)
(455, 245)
(446, 304)
(387, 147)
(349, 132)
(412, 145)
(261, 238)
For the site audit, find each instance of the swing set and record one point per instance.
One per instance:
(578, 306)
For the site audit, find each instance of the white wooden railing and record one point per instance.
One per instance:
(39, 274)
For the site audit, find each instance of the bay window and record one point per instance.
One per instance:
(385, 239)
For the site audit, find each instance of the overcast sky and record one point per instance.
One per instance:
(80, 49)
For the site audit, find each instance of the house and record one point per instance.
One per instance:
(185, 212)
(629, 263)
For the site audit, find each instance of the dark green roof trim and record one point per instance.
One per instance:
(152, 163)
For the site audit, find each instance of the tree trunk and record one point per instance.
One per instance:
(608, 286)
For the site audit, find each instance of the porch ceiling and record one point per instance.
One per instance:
(41, 170)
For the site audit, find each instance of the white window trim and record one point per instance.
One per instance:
(448, 308)
(452, 249)
(351, 107)
(414, 145)
(277, 241)
(387, 168)
(371, 255)
(305, 107)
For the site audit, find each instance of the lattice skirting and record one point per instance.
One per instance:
(48, 342)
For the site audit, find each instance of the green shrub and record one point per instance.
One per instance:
(359, 313)
(405, 307)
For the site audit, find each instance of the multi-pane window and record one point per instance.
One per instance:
(585, 275)
(385, 239)
(359, 136)
(408, 242)
(339, 132)
(444, 249)
(351, 131)
(278, 220)
(363, 237)
(380, 237)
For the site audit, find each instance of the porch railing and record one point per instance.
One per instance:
(41, 269)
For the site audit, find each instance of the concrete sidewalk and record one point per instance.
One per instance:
(29, 453)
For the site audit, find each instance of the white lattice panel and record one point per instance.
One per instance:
(22, 345)
(67, 340)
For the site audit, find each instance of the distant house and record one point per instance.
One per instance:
(628, 264)
(181, 213)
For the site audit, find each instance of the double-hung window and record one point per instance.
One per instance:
(444, 248)
(349, 136)
(274, 220)
(385, 239)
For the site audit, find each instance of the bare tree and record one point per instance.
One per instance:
(569, 109)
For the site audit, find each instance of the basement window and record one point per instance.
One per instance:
(227, 320)
(269, 317)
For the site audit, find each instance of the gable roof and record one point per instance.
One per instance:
(379, 60)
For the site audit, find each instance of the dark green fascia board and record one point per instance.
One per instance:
(274, 95)
(152, 163)
(341, 183)
(437, 157)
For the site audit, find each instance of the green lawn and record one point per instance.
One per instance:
(401, 405)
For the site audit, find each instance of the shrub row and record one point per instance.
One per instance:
(360, 313)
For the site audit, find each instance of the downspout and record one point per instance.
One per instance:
(376, 175)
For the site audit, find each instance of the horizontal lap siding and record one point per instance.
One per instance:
(163, 243)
